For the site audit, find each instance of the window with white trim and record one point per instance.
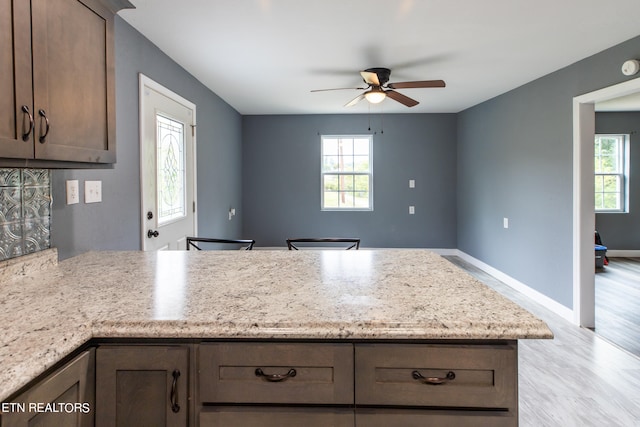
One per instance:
(347, 177)
(610, 166)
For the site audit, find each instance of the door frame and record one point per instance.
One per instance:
(145, 81)
(584, 221)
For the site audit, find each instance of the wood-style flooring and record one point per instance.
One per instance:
(577, 379)
(618, 303)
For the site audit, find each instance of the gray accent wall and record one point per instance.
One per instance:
(515, 161)
(281, 179)
(114, 224)
(621, 231)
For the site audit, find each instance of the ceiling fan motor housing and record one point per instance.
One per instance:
(382, 73)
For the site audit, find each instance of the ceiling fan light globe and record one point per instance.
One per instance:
(375, 96)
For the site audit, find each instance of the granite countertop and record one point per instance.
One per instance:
(48, 310)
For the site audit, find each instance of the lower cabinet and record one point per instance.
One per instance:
(142, 385)
(63, 399)
(271, 383)
(339, 384)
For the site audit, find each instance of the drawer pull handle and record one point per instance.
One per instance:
(433, 380)
(276, 377)
(175, 406)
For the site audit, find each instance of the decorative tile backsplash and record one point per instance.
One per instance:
(25, 211)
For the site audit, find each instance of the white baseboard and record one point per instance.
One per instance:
(545, 301)
(623, 253)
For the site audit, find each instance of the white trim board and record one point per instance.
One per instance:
(623, 253)
(545, 301)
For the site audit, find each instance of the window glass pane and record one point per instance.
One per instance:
(331, 199)
(330, 182)
(170, 169)
(611, 183)
(346, 182)
(361, 183)
(599, 185)
(362, 199)
(610, 201)
(330, 163)
(346, 164)
(345, 147)
(330, 146)
(361, 163)
(346, 199)
(361, 147)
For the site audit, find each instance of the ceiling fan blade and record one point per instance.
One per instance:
(339, 88)
(370, 78)
(355, 100)
(418, 84)
(403, 99)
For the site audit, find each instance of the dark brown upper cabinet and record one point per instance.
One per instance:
(57, 80)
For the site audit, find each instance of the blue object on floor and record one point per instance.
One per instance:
(601, 253)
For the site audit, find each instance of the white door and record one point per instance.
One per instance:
(167, 167)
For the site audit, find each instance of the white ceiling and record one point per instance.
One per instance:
(265, 56)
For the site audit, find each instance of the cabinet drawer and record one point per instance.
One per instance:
(480, 376)
(276, 417)
(246, 373)
(422, 418)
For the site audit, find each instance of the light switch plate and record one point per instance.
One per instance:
(412, 210)
(92, 191)
(412, 183)
(73, 192)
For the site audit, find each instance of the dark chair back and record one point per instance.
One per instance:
(191, 242)
(355, 242)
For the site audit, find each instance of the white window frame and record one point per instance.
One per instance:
(349, 173)
(622, 173)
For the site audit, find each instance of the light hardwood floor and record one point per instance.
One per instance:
(576, 379)
(618, 303)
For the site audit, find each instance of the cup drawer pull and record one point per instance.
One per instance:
(275, 377)
(433, 380)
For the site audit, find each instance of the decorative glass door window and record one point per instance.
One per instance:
(170, 169)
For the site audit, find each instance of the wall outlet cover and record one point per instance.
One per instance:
(73, 192)
(92, 191)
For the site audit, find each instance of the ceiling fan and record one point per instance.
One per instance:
(378, 88)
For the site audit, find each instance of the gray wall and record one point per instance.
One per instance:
(515, 161)
(115, 223)
(281, 180)
(622, 230)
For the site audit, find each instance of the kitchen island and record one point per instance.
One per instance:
(313, 297)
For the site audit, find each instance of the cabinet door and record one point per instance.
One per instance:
(64, 399)
(16, 99)
(142, 386)
(73, 80)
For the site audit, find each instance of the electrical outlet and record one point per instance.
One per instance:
(73, 192)
(92, 191)
(412, 183)
(412, 210)
(505, 222)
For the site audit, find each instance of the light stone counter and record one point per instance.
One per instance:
(368, 294)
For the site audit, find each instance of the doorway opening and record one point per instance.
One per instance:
(583, 197)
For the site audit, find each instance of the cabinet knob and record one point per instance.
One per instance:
(152, 233)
